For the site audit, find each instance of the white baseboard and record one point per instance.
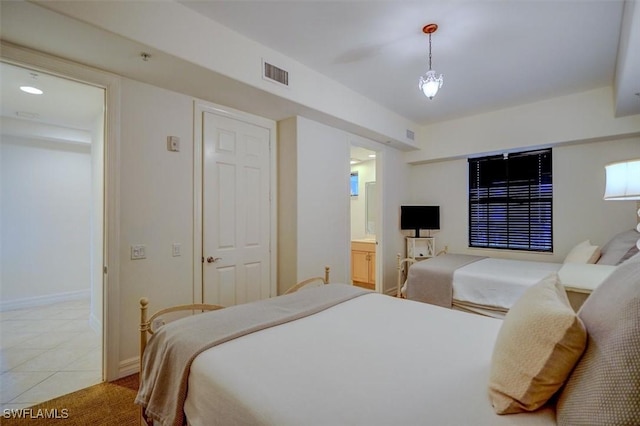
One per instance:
(95, 323)
(128, 367)
(30, 302)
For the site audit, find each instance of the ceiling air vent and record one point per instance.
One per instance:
(410, 134)
(275, 74)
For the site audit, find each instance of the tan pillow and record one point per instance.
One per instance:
(540, 341)
(583, 253)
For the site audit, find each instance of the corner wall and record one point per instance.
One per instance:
(287, 165)
(316, 156)
(393, 178)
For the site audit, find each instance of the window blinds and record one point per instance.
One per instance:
(510, 201)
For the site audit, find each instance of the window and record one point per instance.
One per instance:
(510, 201)
(354, 184)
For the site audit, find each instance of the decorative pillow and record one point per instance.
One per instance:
(616, 248)
(583, 253)
(604, 388)
(540, 341)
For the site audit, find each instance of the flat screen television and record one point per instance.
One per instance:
(419, 217)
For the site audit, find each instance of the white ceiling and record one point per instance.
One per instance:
(64, 103)
(359, 154)
(493, 53)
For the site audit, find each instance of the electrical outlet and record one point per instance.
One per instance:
(138, 251)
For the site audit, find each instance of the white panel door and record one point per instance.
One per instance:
(236, 211)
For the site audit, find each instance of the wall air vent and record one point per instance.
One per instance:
(277, 75)
(410, 134)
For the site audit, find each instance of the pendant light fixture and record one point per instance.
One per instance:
(430, 83)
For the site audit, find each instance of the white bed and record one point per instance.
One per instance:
(285, 375)
(343, 355)
(265, 377)
(490, 286)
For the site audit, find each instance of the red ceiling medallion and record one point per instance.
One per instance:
(430, 28)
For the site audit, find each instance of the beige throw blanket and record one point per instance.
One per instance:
(172, 349)
(431, 280)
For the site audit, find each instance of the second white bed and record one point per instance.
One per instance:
(490, 286)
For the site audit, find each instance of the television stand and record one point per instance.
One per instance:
(421, 247)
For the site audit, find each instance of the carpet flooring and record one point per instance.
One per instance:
(109, 403)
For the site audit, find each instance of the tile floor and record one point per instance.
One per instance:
(46, 352)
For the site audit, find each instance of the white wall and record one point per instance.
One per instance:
(392, 180)
(579, 212)
(287, 147)
(323, 200)
(580, 117)
(45, 214)
(366, 173)
(320, 201)
(156, 204)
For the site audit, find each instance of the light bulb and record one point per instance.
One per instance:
(429, 83)
(31, 90)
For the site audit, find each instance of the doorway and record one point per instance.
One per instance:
(51, 233)
(364, 208)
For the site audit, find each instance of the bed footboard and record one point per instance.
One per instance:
(403, 271)
(146, 328)
(323, 280)
(147, 323)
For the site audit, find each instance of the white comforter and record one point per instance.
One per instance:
(373, 360)
(501, 282)
(498, 282)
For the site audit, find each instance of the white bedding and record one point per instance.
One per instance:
(373, 360)
(583, 277)
(498, 282)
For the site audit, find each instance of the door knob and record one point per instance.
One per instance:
(212, 259)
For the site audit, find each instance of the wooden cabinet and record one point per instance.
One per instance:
(363, 264)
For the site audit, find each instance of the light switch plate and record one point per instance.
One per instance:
(138, 251)
(173, 143)
(176, 249)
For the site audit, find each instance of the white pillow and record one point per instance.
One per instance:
(583, 253)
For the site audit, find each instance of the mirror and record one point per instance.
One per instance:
(370, 213)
